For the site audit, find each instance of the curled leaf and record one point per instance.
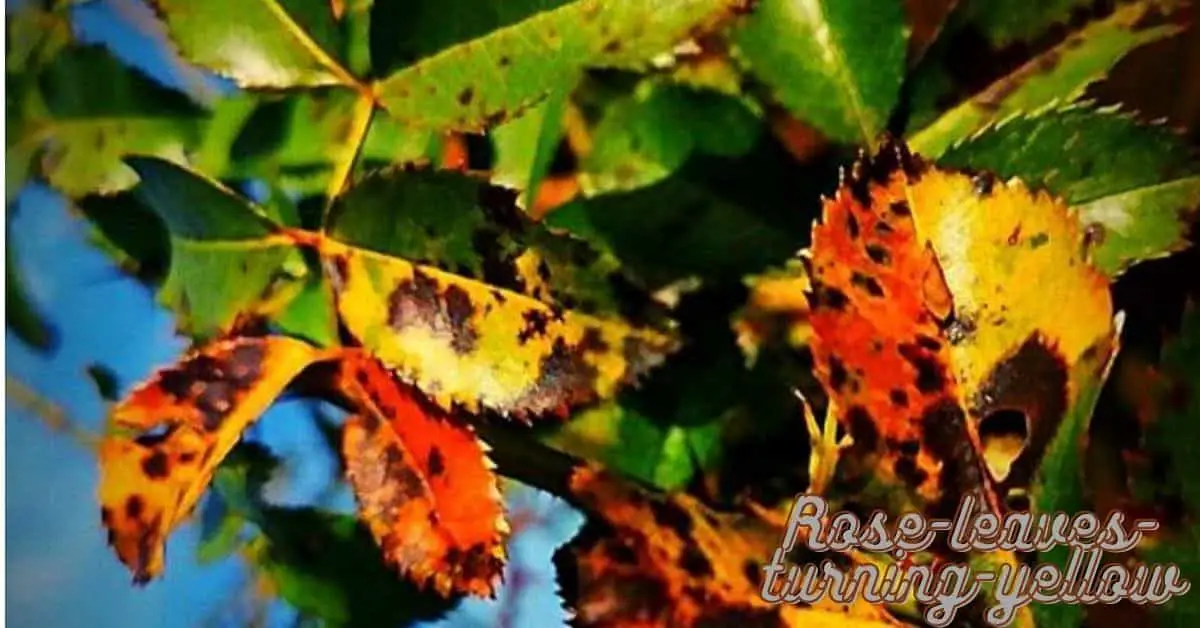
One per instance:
(175, 429)
(425, 486)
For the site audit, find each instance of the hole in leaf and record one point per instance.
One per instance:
(1003, 435)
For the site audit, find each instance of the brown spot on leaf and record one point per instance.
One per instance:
(465, 96)
(156, 466)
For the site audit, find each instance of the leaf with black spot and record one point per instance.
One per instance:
(169, 434)
(1135, 185)
(495, 65)
(658, 560)
(468, 343)
(424, 484)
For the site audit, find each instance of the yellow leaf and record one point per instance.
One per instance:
(464, 342)
(174, 430)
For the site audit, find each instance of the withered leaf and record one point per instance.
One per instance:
(653, 560)
(172, 432)
(424, 484)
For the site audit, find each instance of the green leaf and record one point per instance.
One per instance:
(260, 43)
(105, 380)
(224, 262)
(1058, 482)
(715, 218)
(310, 313)
(328, 567)
(1138, 182)
(623, 439)
(525, 147)
(836, 64)
(84, 110)
(295, 140)
(650, 133)
(130, 232)
(463, 224)
(1173, 433)
(481, 82)
(24, 319)
(1059, 75)
(1003, 23)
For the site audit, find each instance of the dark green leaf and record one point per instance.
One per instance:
(105, 380)
(1058, 76)
(836, 64)
(24, 319)
(130, 232)
(1138, 182)
(651, 132)
(465, 225)
(1002, 23)
(716, 218)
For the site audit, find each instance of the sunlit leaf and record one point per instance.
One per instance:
(171, 432)
(262, 43)
(424, 484)
(836, 64)
(467, 343)
(1136, 184)
(483, 81)
(82, 112)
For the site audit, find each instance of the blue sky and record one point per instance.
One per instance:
(60, 572)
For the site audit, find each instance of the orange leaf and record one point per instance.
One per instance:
(424, 484)
(184, 420)
(653, 560)
(879, 300)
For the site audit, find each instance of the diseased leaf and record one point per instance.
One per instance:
(467, 343)
(836, 64)
(776, 311)
(173, 431)
(972, 325)
(666, 560)
(1134, 184)
(1058, 481)
(464, 225)
(424, 484)
(1003, 23)
(877, 299)
(226, 259)
(73, 119)
(262, 43)
(478, 83)
(1057, 76)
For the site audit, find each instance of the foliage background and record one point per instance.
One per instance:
(64, 573)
